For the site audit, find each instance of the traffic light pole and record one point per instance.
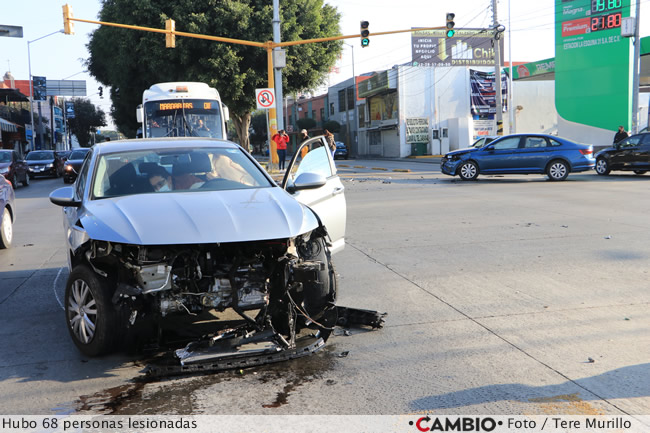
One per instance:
(269, 46)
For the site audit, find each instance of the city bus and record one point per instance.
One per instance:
(182, 109)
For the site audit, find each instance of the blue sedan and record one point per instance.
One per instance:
(521, 154)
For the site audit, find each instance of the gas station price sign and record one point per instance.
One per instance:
(589, 51)
(599, 6)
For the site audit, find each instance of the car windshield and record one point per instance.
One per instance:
(174, 170)
(5, 157)
(39, 156)
(78, 154)
(482, 142)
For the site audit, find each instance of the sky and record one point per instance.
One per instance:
(61, 56)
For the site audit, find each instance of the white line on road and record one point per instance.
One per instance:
(54, 288)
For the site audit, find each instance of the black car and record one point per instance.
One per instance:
(341, 150)
(629, 154)
(73, 164)
(13, 167)
(44, 163)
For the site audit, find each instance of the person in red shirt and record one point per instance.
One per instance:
(281, 139)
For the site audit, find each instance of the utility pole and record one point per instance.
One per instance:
(635, 77)
(278, 70)
(497, 69)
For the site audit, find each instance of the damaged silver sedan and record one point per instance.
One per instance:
(191, 240)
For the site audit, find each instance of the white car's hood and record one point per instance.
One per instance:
(198, 217)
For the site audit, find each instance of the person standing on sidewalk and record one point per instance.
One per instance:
(304, 136)
(281, 139)
(621, 134)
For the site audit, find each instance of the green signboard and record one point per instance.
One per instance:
(593, 74)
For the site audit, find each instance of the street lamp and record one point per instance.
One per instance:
(31, 83)
(354, 99)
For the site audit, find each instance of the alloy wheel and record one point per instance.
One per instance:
(82, 311)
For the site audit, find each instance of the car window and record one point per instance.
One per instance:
(507, 143)
(180, 169)
(315, 161)
(645, 139)
(535, 142)
(78, 154)
(5, 157)
(554, 143)
(632, 141)
(39, 156)
(81, 178)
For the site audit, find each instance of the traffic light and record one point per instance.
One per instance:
(450, 24)
(68, 26)
(170, 38)
(101, 91)
(365, 40)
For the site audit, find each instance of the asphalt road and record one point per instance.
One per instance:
(509, 295)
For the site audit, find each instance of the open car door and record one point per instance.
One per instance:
(311, 178)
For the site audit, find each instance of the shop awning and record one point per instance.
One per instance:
(8, 126)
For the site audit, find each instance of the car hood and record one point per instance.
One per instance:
(4, 164)
(198, 217)
(461, 151)
(605, 150)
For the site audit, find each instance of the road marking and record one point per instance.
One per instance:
(54, 288)
(380, 168)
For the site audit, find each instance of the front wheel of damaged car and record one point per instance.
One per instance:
(468, 170)
(90, 315)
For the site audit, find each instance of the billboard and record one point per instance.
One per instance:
(468, 47)
(483, 96)
(593, 74)
(40, 88)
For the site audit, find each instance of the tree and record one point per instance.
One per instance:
(306, 123)
(332, 126)
(130, 61)
(87, 118)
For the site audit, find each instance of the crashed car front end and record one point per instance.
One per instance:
(276, 285)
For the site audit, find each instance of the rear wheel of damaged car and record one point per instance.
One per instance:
(602, 167)
(468, 170)
(90, 315)
(557, 170)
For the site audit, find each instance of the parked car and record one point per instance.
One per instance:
(341, 150)
(13, 167)
(7, 213)
(629, 154)
(146, 263)
(486, 139)
(44, 163)
(73, 164)
(520, 154)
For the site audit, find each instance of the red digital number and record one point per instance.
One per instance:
(613, 21)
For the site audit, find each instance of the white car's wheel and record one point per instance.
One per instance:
(90, 315)
(6, 229)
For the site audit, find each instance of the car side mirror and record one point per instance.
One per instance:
(307, 181)
(64, 197)
(489, 147)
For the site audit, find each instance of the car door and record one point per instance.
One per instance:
(641, 154)
(328, 200)
(623, 157)
(533, 155)
(75, 233)
(500, 156)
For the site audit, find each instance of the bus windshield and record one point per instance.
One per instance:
(183, 118)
